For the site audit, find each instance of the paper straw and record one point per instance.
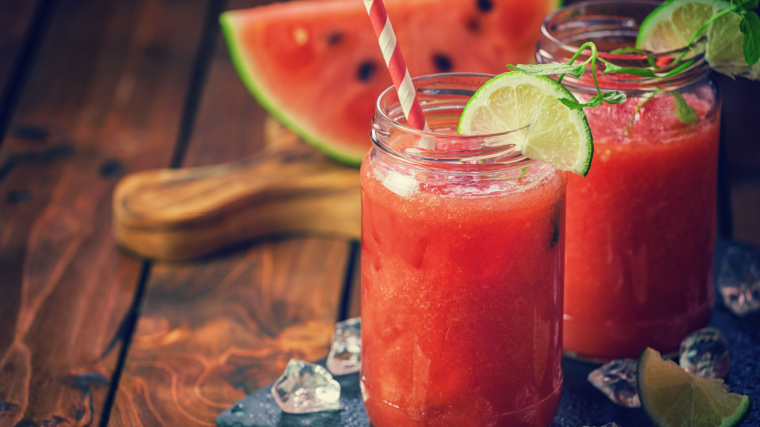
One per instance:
(394, 60)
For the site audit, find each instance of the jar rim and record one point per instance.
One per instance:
(383, 112)
(549, 35)
(579, 5)
(389, 91)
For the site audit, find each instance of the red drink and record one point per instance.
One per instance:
(641, 225)
(461, 283)
(640, 230)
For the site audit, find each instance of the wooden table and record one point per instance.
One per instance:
(90, 335)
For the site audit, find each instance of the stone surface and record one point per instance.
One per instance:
(739, 280)
(705, 353)
(345, 352)
(260, 410)
(617, 380)
(306, 387)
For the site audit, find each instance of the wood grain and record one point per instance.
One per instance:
(216, 329)
(102, 95)
(212, 332)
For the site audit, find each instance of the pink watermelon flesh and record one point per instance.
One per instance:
(317, 66)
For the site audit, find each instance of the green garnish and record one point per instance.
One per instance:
(522, 172)
(684, 113)
(610, 97)
(749, 26)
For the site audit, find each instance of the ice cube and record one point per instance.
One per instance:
(401, 184)
(617, 380)
(739, 280)
(305, 387)
(705, 354)
(345, 352)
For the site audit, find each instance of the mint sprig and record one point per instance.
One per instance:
(749, 26)
(610, 97)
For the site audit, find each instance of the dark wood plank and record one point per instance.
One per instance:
(355, 291)
(103, 97)
(15, 19)
(20, 31)
(212, 332)
(215, 330)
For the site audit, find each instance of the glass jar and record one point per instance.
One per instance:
(461, 270)
(641, 224)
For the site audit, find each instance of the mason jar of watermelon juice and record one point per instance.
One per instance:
(462, 264)
(641, 224)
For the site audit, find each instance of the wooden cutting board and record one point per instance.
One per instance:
(176, 214)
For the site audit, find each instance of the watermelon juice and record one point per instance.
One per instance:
(641, 224)
(640, 233)
(461, 261)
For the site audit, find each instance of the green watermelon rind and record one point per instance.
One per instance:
(247, 74)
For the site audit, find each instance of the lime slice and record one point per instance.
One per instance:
(556, 134)
(672, 24)
(672, 397)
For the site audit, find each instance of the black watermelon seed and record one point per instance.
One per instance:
(111, 167)
(18, 196)
(473, 25)
(484, 5)
(442, 62)
(366, 71)
(31, 132)
(334, 38)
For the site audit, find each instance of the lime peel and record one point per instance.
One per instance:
(672, 397)
(674, 24)
(556, 134)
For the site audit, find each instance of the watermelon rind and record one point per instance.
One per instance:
(247, 75)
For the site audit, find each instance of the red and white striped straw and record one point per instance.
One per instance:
(394, 60)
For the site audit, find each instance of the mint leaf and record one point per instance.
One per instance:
(684, 113)
(593, 102)
(676, 70)
(609, 67)
(571, 103)
(613, 97)
(549, 69)
(750, 27)
(749, 4)
(522, 172)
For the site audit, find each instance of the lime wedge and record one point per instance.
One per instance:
(670, 26)
(672, 397)
(556, 134)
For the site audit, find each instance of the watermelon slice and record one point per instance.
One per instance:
(316, 65)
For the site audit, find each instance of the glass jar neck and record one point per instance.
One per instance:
(443, 98)
(613, 25)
